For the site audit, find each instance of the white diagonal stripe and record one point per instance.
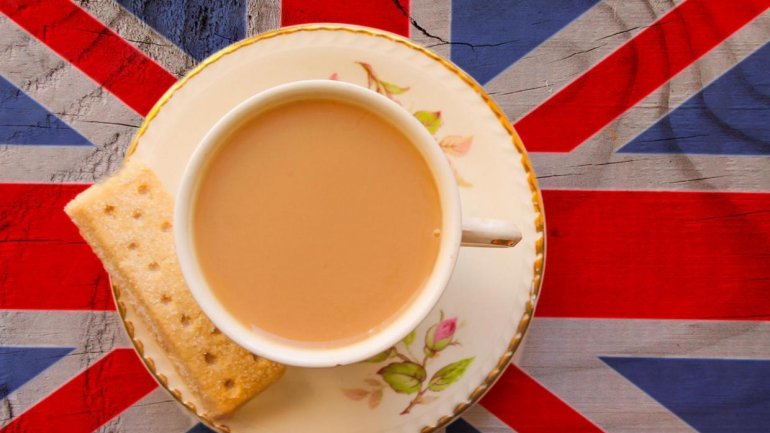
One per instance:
(596, 165)
(39, 163)
(157, 412)
(87, 331)
(92, 334)
(76, 99)
(571, 52)
(45, 383)
(563, 354)
(140, 35)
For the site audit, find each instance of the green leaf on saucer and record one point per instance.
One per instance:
(430, 353)
(404, 377)
(382, 356)
(409, 339)
(449, 375)
(392, 88)
(430, 119)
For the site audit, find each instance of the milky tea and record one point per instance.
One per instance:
(316, 221)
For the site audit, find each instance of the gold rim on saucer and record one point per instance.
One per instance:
(536, 198)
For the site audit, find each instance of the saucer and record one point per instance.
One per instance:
(465, 343)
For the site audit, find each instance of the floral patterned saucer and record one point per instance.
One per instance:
(461, 348)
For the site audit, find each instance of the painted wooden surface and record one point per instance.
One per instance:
(648, 124)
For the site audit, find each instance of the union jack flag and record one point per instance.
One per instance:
(648, 123)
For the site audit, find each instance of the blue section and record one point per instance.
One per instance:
(712, 395)
(730, 116)
(461, 426)
(490, 35)
(20, 364)
(200, 428)
(199, 27)
(24, 121)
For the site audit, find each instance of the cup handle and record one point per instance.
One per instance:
(486, 232)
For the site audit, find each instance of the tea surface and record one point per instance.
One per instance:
(317, 222)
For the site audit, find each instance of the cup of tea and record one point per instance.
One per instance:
(318, 223)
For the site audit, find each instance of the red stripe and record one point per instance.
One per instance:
(44, 263)
(95, 49)
(382, 14)
(657, 255)
(92, 398)
(528, 407)
(632, 72)
(35, 212)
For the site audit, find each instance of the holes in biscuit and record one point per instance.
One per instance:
(210, 358)
(215, 331)
(184, 319)
(132, 245)
(256, 358)
(165, 299)
(142, 189)
(228, 384)
(109, 209)
(136, 214)
(153, 266)
(166, 226)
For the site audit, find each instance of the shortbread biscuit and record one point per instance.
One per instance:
(127, 221)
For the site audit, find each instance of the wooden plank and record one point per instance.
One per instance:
(596, 164)
(90, 399)
(93, 48)
(140, 35)
(46, 264)
(633, 71)
(263, 16)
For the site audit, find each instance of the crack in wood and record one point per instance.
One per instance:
(110, 123)
(7, 410)
(735, 215)
(441, 40)
(102, 161)
(619, 33)
(154, 403)
(695, 179)
(683, 137)
(594, 164)
(558, 175)
(519, 91)
(578, 53)
(147, 42)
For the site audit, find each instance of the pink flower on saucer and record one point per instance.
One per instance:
(440, 335)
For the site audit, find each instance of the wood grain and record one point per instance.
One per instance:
(430, 24)
(263, 16)
(597, 165)
(140, 35)
(65, 91)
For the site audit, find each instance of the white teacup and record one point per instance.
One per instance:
(456, 230)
